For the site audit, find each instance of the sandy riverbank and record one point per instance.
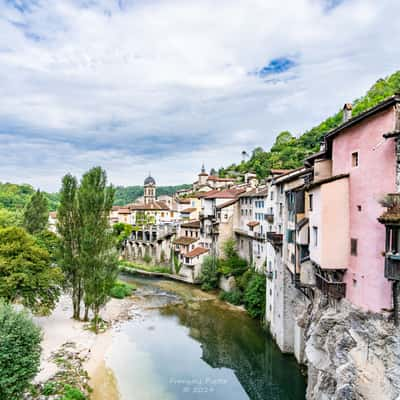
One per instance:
(59, 328)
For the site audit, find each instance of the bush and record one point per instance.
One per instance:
(72, 393)
(121, 290)
(19, 352)
(234, 297)
(232, 264)
(243, 281)
(49, 389)
(209, 274)
(147, 259)
(254, 296)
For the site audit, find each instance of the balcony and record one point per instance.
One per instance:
(333, 289)
(259, 236)
(269, 217)
(275, 238)
(392, 267)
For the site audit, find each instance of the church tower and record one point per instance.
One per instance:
(203, 176)
(149, 190)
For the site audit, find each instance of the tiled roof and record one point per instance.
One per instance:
(197, 251)
(255, 192)
(124, 211)
(184, 201)
(191, 224)
(154, 206)
(279, 171)
(115, 208)
(217, 179)
(184, 240)
(225, 194)
(189, 210)
(226, 204)
(53, 214)
(253, 223)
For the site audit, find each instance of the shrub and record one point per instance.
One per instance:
(254, 296)
(72, 393)
(19, 352)
(243, 281)
(234, 297)
(49, 388)
(147, 258)
(209, 274)
(121, 290)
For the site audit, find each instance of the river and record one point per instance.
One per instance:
(183, 343)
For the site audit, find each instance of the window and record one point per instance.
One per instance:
(353, 247)
(272, 195)
(315, 236)
(280, 209)
(310, 200)
(354, 159)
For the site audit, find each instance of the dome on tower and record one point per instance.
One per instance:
(149, 180)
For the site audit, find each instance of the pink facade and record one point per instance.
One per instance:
(372, 175)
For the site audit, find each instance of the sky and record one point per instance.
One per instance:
(162, 86)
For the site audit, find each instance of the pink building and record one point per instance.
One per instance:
(361, 155)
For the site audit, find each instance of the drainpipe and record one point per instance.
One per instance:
(396, 300)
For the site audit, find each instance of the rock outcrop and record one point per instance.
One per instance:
(351, 354)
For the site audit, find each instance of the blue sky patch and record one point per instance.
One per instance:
(276, 66)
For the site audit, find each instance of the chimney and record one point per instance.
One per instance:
(347, 108)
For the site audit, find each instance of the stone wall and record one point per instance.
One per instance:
(350, 354)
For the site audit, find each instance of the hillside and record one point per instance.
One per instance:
(128, 194)
(289, 151)
(13, 197)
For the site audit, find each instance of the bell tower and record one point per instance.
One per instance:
(149, 190)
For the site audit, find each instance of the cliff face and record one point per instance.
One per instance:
(351, 354)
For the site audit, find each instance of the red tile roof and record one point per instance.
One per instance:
(217, 179)
(197, 251)
(185, 241)
(124, 211)
(253, 223)
(53, 214)
(225, 194)
(189, 210)
(227, 204)
(154, 206)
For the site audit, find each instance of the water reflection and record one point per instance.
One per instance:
(200, 350)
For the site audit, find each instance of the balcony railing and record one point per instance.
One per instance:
(332, 289)
(392, 267)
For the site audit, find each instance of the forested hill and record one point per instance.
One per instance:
(289, 151)
(128, 194)
(13, 197)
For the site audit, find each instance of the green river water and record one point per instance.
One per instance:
(184, 344)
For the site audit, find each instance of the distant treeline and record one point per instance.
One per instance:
(14, 197)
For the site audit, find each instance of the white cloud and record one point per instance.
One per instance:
(166, 85)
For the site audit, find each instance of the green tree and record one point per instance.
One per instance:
(50, 242)
(232, 263)
(98, 258)
(25, 272)
(10, 217)
(36, 213)
(69, 230)
(254, 296)
(19, 352)
(209, 273)
(121, 232)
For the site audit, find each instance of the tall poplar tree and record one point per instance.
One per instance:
(69, 229)
(87, 246)
(98, 256)
(36, 213)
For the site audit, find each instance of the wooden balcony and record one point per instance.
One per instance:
(269, 217)
(275, 239)
(333, 289)
(392, 267)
